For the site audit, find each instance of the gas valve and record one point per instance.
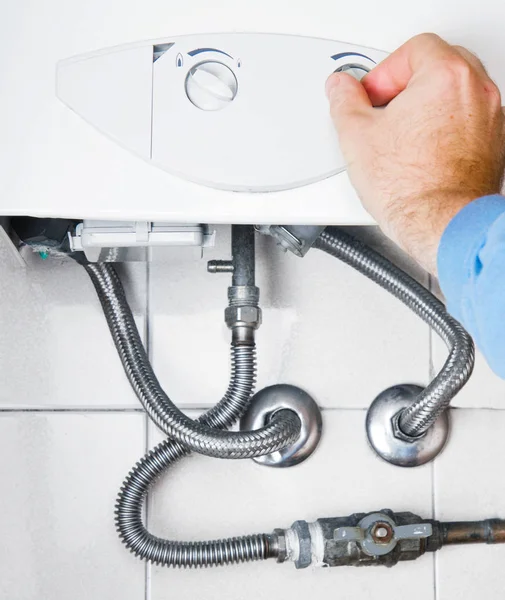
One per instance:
(377, 535)
(377, 538)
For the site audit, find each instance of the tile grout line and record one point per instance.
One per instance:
(147, 311)
(148, 346)
(140, 410)
(431, 370)
(431, 375)
(433, 493)
(433, 516)
(147, 564)
(76, 410)
(435, 589)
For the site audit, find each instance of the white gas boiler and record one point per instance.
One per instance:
(129, 128)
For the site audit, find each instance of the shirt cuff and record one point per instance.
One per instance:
(461, 241)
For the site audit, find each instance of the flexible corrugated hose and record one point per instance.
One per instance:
(131, 496)
(206, 435)
(435, 398)
(278, 433)
(282, 429)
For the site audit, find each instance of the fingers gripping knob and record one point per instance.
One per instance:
(354, 69)
(346, 94)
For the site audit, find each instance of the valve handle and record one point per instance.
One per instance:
(412, 532)
(378, 534)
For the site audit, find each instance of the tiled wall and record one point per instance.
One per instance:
(70, 429)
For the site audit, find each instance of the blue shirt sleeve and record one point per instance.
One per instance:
(471, 271)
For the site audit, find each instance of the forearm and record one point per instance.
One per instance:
(436, 143)
(416, 224)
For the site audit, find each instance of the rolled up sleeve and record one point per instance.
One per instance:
(471, 271)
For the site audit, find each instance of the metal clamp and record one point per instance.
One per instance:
(295, 238)
(272, 399)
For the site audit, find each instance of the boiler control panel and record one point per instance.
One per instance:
(241, 112)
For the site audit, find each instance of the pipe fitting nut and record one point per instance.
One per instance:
(237, 316)
(397, 431)
(304, 555)
(281, 545)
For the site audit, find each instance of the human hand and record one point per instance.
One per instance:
(437, 144)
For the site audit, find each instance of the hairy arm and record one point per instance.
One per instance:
(436, 144)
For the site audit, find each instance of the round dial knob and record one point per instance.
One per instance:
(355, 70)
(211, 85)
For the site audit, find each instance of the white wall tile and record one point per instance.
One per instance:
(469, 485)
(60, 476)
(56, 349)
(205, 498)
(325, 328)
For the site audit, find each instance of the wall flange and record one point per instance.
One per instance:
(275, 398)
(385, 438)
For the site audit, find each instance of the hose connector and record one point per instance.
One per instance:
(243, 309)
(298, 239)
(387, 438)
(243, 314)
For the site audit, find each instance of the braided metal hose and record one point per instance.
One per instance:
(279, 432)
(131, 496)
(435, 398)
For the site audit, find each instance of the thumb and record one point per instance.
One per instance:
(349, 102)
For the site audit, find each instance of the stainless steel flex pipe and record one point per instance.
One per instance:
(145, 473)
(261, 546)
(283, 428)
(425, 409)
(243, 316)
